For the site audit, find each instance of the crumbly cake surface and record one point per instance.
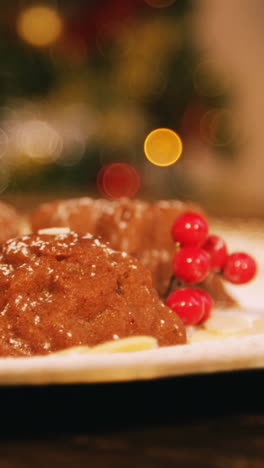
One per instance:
(140, 228)
(62, 289)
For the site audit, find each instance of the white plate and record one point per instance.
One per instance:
(245, 352)
(233, 353)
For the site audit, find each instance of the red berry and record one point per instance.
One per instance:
(191, 264)
(187, 304)
(240, 268)
(189, 229)
(208, 303)
(216, 247)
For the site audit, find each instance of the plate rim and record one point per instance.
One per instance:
(197, 358)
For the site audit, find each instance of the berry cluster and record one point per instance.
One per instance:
(198, 254)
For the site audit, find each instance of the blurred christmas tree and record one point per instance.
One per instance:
(83, 82)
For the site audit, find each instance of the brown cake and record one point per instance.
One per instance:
(9, 222)
(139, 228)
(63, 289)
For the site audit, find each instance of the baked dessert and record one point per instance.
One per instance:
(9, 222)
(139, 228)
(61, 289)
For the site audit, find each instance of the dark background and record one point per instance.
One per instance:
(89, 94)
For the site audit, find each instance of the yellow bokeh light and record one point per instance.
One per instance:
(39, 25)
(163, 147)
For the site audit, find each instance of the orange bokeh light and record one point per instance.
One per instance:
(118, 180)
(163, 147)
(39, 25)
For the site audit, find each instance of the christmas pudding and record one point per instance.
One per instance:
(9, 222)
(140, 228)
(61, 289)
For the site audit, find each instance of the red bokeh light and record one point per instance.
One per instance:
(118, 180)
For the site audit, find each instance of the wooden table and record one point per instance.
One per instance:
(198, 421)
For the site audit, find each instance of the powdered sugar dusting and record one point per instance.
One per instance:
(54, 231)
(59, 273)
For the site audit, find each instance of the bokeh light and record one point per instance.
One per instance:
(118, 180)
(163, 147)
(39, 25)
(39, 141)
(160, 3)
